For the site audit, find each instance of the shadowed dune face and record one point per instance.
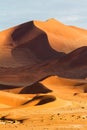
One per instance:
(22, 30)
(76, 58)
(73, 65)
(35, 89)
(40, 100)
(36, 50)
(32, 45)
(3, 87)
(25, 44)
(45, 99)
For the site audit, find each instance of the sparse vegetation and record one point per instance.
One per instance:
(83, 117)
(52, 117)
(73, 115)
(42, 120)
(75, 94)
(78, 117)
(58, 114)
(3, 120)
(83, 107)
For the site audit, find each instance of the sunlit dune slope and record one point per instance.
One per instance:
(62, 37)
(58, 85)
(12, 99)
(84, 31)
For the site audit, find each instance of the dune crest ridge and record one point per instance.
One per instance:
(68, 37)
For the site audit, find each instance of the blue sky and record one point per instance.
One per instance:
(72, 12)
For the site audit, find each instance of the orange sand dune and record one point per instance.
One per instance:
(12, 99)
(65, 104)
(70, 86)
(73, 65)
(61, 37)
(26, 43)
(47, 88)
(35, 50)
(79, 29)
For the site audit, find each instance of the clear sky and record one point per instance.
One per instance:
(72, 12)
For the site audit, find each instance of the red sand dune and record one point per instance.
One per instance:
(34, 50)
(73, 65)
(62, 37)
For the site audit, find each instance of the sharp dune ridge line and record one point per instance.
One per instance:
(68, 37)
(43, 77)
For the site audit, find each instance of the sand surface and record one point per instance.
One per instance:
(65, 107)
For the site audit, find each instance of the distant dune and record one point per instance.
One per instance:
(73, 65)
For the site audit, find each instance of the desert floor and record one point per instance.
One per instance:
(68, 110)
